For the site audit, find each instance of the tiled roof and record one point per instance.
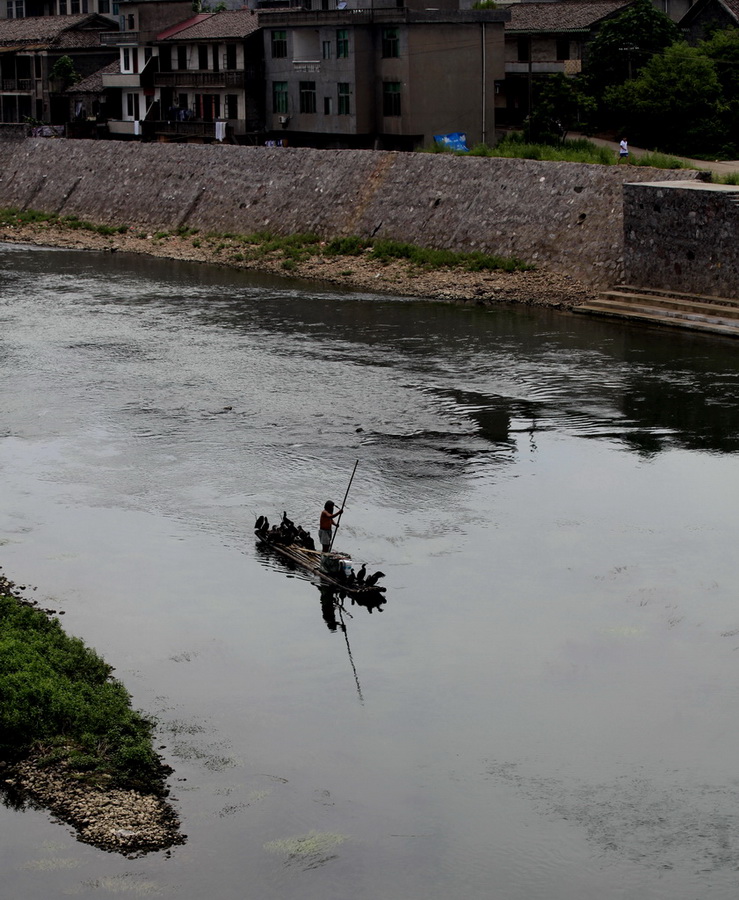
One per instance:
(231, 23)
(63, 31)
(181, 26)
(569, 15)
(93, 84)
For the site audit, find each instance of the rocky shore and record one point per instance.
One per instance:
(535, 288)
(126, 822)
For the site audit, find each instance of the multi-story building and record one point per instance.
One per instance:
(211, 71)
(30, 87)
(381, 77)
(546, 38)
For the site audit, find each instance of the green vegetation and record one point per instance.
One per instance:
(64, 71)
(19, 217)
(295, 248)
(60, 701)
(515, 146)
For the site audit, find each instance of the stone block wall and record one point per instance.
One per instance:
(682, 236)
(564, 217)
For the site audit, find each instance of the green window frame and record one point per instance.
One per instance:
(344, 104)
(342, 43)
(390, 43)
(279, 97)
(279, 44)
(391, 98)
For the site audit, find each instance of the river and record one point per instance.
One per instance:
(546, 706)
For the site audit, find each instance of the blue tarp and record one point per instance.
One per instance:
(457, 140)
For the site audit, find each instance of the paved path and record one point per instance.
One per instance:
(720, 167)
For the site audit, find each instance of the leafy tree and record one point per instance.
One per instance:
(626, 43)
(676, 103)
(63, 70)
(559, 104)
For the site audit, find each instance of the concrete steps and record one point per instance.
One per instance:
(713, 315)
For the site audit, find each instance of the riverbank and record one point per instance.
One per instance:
(69, 740)
(356, 272)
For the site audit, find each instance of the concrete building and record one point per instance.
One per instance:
(389, 77)
(707, 16)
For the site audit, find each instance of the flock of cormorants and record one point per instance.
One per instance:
(287, 533)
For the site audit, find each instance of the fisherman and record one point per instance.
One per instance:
(327, 522)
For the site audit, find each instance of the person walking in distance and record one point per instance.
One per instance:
(623, 150)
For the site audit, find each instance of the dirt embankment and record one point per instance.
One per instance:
(536, 288)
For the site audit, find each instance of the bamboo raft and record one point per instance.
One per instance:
(314, 562)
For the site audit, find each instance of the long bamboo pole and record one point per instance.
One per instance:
(333, 535)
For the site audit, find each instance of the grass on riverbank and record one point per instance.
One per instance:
(581, 150)
(59, 700)
(290, 249)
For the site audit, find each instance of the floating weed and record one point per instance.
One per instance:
(310, 850)
(123, 884)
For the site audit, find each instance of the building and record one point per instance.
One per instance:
(546, 38)
(211, 70)
(29, 50)
(383, 77)
(24, 9)
(708, 16)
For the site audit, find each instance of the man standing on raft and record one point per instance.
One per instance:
(327, 522)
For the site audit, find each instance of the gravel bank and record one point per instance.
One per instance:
(536, 288)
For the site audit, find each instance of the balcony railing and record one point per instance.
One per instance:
(17, 84)
(119, 37)
(185, 78)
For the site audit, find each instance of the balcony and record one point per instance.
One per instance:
(185, 78)
(122, 80)
(116, 38)
(17, 85)
(545, 67)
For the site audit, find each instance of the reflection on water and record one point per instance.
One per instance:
(545, 708)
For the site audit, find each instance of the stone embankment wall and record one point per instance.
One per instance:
(564, 217)
(682, 237)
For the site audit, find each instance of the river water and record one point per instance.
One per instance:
(547, 705)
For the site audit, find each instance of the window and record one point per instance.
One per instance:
(524, 49)
(104, 7)
(279, 44)
(307, 96)
(37, 67)
(563, 48)
(132, 105)
(75, 7)
(232, 106)
(390, 43)
(182, 57)
(131, 22)
(343, 91)
(231, 56)
(202, 56)
(62, 8)
(342, 43)
(126, 61)
(328, 106)
(391, 98)
(326, 47)
(279, 97)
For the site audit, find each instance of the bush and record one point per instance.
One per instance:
(59, 695)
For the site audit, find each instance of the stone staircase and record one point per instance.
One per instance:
(714, 315)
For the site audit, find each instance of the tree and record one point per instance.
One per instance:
(559, 104)
(676, 104)
(626, 43)
(64, 71)
(722, 48)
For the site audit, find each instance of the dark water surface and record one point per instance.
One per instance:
(547, 707)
